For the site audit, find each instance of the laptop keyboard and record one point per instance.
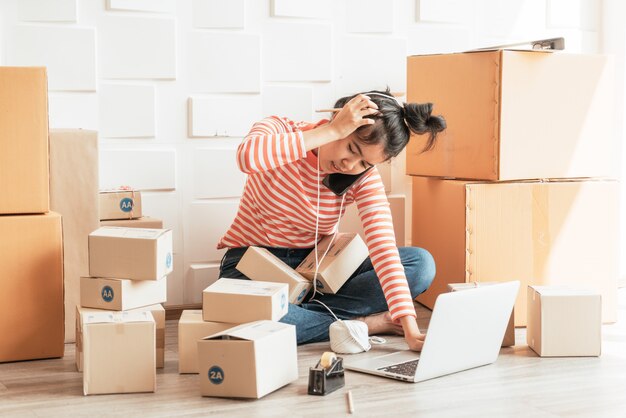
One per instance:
(404, 369)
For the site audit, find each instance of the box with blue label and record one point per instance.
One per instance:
(346, 253)
(260, 264)
(121, 294)
(143, 222)
(130, 253)
(238, 300)
(119, 204)
(248, 361)
(119, 353)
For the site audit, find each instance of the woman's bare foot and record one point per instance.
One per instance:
(381, 323)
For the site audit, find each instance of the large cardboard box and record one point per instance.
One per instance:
(260, 264)
(74, 194)
(31, 287)
(143, 222)
(351, 221)
(511, 115)
(191, 329)
(130, 253)
(538, 232)
(24, 140)
(158, 314)
(121, 294)
(248, 361)
(120, 204)
(509, 335)
(118, 352)
(564, 321)
(347, 252)
(237, 301)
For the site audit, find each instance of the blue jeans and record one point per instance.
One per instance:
(360, 296)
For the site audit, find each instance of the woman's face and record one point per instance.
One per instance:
(349, 156)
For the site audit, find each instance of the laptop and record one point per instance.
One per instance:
(465, 331)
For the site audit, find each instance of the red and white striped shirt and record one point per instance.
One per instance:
(279, 204)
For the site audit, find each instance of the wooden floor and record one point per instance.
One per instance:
(519, 384)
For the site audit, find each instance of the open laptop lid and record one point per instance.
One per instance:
(466, 329)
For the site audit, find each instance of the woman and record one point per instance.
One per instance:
(280, 210)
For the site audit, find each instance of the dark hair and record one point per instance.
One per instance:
(395, 122)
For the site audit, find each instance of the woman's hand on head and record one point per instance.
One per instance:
(353, 115)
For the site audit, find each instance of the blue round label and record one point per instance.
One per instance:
(168, 260)
(107, 294)
(126, 204)
(283, 301)
(319, 284)
(302, 294)
(216, 375)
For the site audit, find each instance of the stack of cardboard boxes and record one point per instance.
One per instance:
(120, 326)
(31, 245)
(519, 186)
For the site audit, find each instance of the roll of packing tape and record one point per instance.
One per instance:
(327, 359)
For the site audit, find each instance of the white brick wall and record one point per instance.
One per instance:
(172, 86)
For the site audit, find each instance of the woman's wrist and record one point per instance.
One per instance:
(409, 325)
(319, 136)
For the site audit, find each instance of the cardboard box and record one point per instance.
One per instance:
(31, 287)
(237, 301)
(158, 314)
(260, 264)
(351, 222)
(564, 322)
(191, 329)
(74, 194)
(143, 222)
(509, 335)
(345, 255)
(130, 253)
(538, 232)
(510, 115)
(121, 294)
(120, 204)
(118, 352)
(24, 140)
(248, 361)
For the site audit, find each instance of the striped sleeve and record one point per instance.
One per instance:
(377, 223)
(270, 144)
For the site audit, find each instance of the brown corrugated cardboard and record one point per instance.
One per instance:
(564, 321)
(121, 294)
(119, 204)
(158, 314)
(74, 194)
(191, 329)
(31, 287)
(248, 361)
(143, 222)
(237, 301)
(537, 232)
(24, 140)
(510, 116)
(345, 255)
(509, 335)
(130, 253)
(260, 264)
(118, 352)
(351, 222)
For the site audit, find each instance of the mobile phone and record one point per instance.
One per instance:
(340, 183)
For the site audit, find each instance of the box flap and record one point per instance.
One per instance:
(252, 331)
(563, 290)
(122, 232)
(245, 287)
(116, 317)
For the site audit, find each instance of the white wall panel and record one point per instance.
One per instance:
(164, 6)
(576, 14)
(224, 62)
(369, 16)
(68, 53)
(295, 103)
(302, 8)
(297, 52)
(73, 110)
(215, 174)
(166, 206)
(429, 38)
(176, 282)
(134, 47)
(521, 20)
(127, 111)
(197, 278)
(218, 13)
(144, 169)
(47, 10)
(205, 223)
(451, 11)
(357, 71)
(223, 115)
